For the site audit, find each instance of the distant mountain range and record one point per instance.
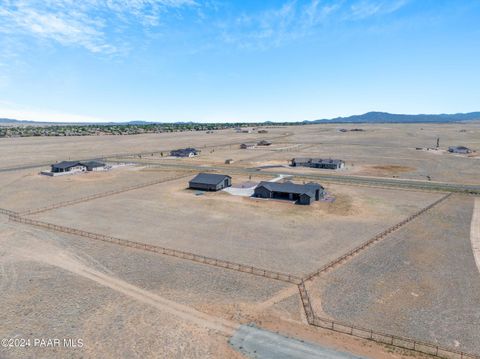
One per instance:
(11, 120)
(369, 117)
(385, 117)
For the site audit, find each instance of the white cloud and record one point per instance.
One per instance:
(101, 26)
(273, 27)
(295, 19)
(367, 8)
(85, 23)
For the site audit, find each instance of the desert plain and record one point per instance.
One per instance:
(420, 281)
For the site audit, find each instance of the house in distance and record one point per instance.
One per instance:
(94, 165)
(210, 182)
(318, 163)
(248, 145)
(184, 152)
(459, 149)
(71, 167)
(300, 193)
(68, 166)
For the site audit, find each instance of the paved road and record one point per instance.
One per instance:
(262, 344)
(475, 232)
(24, 167)
(126, 155)
(337, 178)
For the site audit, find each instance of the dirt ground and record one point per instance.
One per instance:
(381, 150)
(420, 282)
(274, 235)
(23, 151)
(54, 292)
(386, 145)
(127, 303)
(27, 189)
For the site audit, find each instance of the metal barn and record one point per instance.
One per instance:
(210, 182)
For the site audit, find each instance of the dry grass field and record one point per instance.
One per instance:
(25, 151)
(27, 189)
(54, 287)
(420, 281)
(267, 234)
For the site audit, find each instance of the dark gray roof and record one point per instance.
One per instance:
(209, 178)
(324, 161)
(188, 149)
(302, 159)
(458, 148)
(290, 187)
(93, 164)
(185, 150)
(317, 160)
(66, 164)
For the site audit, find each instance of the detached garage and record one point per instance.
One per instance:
(210, 182)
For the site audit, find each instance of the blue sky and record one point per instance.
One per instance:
(220, 61)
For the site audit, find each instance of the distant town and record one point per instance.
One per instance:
(109, 130)
(18, 128)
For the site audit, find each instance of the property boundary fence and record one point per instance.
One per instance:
(8, 212)
(377, 336)
(312, 318)
(155, 152)
(393, 340)
(370, 334)
(101, 195)
(371, 241)
(162, 250)
(307, 304)
(373, 182)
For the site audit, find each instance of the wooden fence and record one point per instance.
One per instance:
(370, 334)
(377, 336)
(101, 195)
(162, 250)
(7, 212)
(307, 304)
(312, 318)
(373, 240)
(393, 340)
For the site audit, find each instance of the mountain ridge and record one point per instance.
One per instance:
(368, 117)
(386, 117)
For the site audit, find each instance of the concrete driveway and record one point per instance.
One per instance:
(262, 344)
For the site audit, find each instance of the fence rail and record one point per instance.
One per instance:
(307, 304)
(101, 195)
(284, 277)
(370, 334)
(377, 336)
(394, 340)
(371, 241)
(312, 318)
(8, 212)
